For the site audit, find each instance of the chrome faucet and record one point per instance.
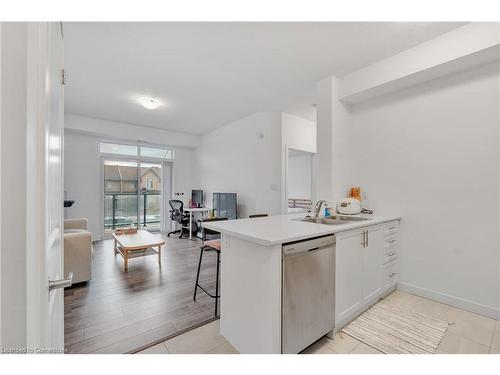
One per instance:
(317, 208)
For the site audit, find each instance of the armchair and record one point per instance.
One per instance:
(78, 251)
(81, 224)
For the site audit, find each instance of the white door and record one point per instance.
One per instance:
(372, 263)
(45, 325)
(54, 225)
(348, 275)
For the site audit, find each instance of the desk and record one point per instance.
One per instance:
(191, 210)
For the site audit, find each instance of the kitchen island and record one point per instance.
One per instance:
(251, 273)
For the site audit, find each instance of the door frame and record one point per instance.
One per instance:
(285, 176)
(104, 157)
(167, 174)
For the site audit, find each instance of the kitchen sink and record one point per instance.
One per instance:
(331, 220)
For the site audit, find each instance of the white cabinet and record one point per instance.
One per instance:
(365, 269)
(372, 262)
(348, 274)
(390, 275)
(390, 272)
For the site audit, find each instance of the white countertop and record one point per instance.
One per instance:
(281, 229)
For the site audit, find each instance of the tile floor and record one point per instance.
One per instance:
(468, 333)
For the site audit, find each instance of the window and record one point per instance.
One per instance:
(160, 153)
(131, 150)
(112, 186)
(112, 148)
(132, 194)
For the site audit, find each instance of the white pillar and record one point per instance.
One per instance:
(334, 166)
(324, 131)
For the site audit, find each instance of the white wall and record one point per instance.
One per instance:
(431, 154)
(300, 134)
(82, 177)
(300, 175)
(244, 157)
(184, 173)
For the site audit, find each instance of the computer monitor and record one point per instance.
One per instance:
(197, 198)
(224, 205)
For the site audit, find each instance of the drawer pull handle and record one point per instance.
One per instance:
(391, 228)
(392, 254)
(392, 274)
(391, 241)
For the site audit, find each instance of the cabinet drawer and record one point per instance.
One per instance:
(390, 255)
(391, 242)
(391, 274)
(391, 229)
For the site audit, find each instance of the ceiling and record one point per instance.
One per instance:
(210, 74)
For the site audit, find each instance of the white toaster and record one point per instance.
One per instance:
(349, 206)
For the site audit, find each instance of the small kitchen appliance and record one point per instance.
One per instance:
(349, 206)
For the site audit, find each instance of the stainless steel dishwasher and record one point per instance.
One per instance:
(308, 297)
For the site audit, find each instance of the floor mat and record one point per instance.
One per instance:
(394, 331)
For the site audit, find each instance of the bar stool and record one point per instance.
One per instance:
(209, 245)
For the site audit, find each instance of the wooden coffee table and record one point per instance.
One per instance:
(139, 244)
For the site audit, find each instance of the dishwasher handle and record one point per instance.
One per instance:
(303, 247)
(300, 251)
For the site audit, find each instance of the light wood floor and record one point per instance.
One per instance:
(120, 312)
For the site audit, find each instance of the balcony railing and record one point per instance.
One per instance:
(299, 203)
(121, 210)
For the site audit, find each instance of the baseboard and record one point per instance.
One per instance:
(488, 311)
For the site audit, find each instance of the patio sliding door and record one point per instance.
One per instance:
(150, 197)
(132, 194)
(136, 178)
(121, 198)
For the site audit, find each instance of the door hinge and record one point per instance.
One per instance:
(63, 77)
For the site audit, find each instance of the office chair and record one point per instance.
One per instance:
(177, 214)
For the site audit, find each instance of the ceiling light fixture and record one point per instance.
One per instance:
(149, 103)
